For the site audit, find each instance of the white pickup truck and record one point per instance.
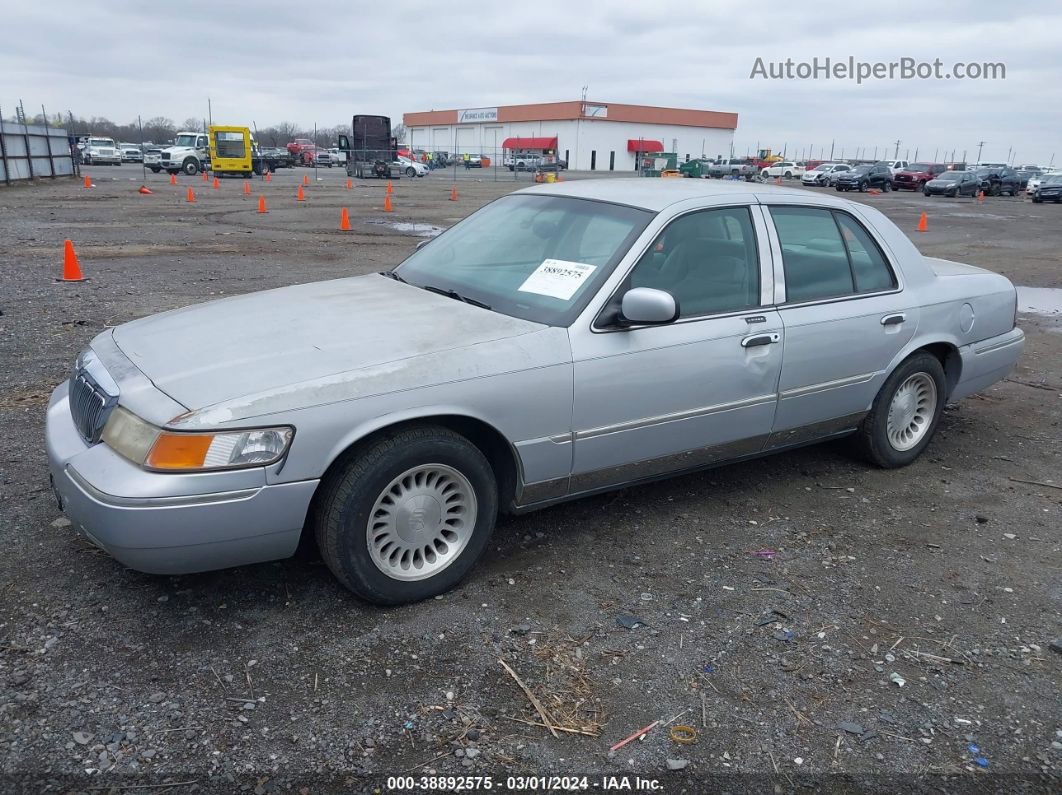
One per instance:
(189, 153)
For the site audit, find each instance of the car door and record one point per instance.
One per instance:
(651, 400)
(845, 314)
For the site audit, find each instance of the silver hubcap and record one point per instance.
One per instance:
(911, 411)
(421, 522)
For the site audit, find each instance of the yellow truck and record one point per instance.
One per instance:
(233, 151)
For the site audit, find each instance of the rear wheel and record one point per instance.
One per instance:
(905, 413)
(407, 518)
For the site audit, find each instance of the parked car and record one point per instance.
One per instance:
(783, 168)
(411, 168)
(559, 342)
(895, 166)
(916, 175)
(131, 154)
(1024, 175)
(473, 161)
(1049, 190)
(152, 159)
(996, 181)
(524, 162)
(338, 156)
(101, 152)
(733, 167)
(274, 157)
(1035, 182)
(953, 183)
(823, 173)
(865, 176)
(316, 156)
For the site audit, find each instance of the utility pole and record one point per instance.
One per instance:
(831, 148)
(980, 144)
(896, 154)
(210, 112)
(578, 124)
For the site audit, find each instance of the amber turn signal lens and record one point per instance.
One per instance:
(179, 451)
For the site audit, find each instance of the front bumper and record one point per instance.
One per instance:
(109, 159)
(164, 523)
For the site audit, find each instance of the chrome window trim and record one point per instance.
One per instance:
(752, 310)
(662, 419)
(776, 248)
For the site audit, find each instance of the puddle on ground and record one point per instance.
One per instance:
(1040, 300)
(420, 230)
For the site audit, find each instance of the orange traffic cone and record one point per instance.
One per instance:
(71, 267)
(247, 188)
(205, 176)
(191, 196)
(88, 182)
(922, 225)
(305, 179)
(173, 179)
(144, 190)
(980, 196)
(390, 188)
(261, 205)
(269, 176)
(387, 204)
(344, 221)
(216, 183)
(453, 193)
(350, 184)
(301, 196)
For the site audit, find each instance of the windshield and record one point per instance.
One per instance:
(185, 140)
(535, 257)
(918, 167)
(860, 169)
(951, 176)
(1053, 180)
(101, 142)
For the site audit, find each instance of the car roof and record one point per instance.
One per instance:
(657, 193)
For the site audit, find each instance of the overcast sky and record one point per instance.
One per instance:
(322, 61)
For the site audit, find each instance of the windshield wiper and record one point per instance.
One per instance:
(456, 295)
(393, 275)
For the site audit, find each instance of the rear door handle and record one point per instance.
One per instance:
(893, 320)
(759, 339)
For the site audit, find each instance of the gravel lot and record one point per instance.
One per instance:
(779, 600)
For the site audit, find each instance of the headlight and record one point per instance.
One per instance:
(158, 449)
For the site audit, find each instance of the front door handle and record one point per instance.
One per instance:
(893, 320)
(759, 339)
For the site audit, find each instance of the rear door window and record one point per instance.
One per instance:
(827, 254)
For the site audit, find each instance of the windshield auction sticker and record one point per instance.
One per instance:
(557, 278)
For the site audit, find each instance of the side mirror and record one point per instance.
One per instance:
(344, 143)
(645, 305)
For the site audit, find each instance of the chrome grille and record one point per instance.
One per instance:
(89, 406)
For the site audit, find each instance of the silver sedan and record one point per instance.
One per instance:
(561, 341)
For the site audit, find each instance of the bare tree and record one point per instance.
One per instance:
(398, 132)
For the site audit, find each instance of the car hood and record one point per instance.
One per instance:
(209, 353)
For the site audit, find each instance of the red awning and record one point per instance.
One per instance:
(644, 145)
(529, 143)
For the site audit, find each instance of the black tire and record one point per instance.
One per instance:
(410, 171)
(863, 187)
(1038, 200)
(155, 169)
(872, 439)
(925, 192)
(839, 189)
(190, 167)
(349, 493)
(886, 187)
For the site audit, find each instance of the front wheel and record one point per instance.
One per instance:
(407, 517)
(886, 187)
(155, 169)
(905, 413)
(190, 167)
(410, 171)
(863, 187)
(925, 192)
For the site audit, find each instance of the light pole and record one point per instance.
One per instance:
(979, 145)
